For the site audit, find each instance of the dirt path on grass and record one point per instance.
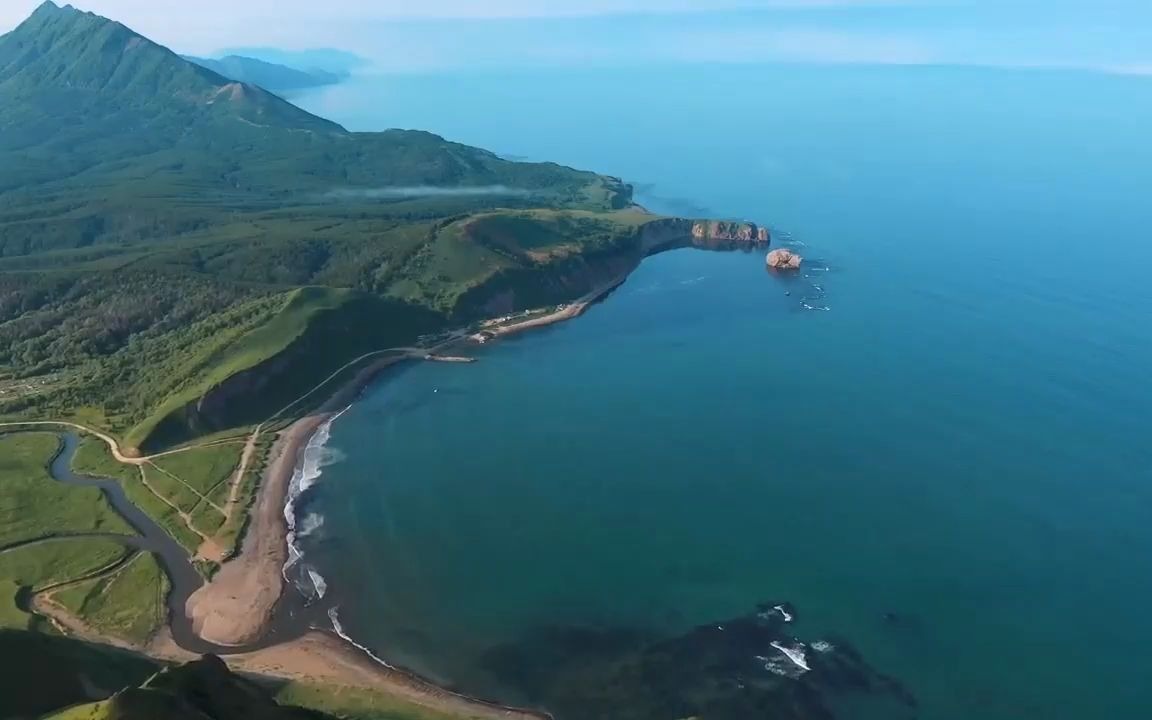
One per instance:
(110, 441)
(241, 468)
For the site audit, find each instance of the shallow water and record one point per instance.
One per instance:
(948, 467)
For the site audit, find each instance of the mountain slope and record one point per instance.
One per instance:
(63, 65)
(92, 111)
(270, 76)
(159, 221)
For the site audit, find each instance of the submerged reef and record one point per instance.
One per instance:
(750, 667)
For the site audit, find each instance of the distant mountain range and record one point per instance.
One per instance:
(270, 76)
(329, 60)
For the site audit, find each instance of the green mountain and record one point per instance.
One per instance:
(270, 76)
(181, 253)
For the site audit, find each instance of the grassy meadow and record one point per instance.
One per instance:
(33, 505)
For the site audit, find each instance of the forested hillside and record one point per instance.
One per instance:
(158, 223)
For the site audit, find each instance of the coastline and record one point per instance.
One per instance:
(649, 246)
(568, 312)
(236, 607)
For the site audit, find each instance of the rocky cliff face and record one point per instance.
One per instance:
(713, 232)
(670, 233)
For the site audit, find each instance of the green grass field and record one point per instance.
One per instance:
(128, 604)
(205, 468)
(231, 533)
(49, 563)
(356, 703)
(93, 458)
(177, 492)
(33, 505)
(207, 519)
(55, 561)
(164, 514)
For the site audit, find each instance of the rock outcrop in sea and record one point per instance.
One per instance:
(783, 259)
(710, 232)
(748, 667)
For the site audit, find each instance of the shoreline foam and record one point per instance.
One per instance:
(236, 608)
(309, 468)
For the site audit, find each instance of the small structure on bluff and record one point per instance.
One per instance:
(781, 259)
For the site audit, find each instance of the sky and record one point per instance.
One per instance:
(433, 35)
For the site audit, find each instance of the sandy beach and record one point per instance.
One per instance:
(323, 658)
(572, 310)
(235, 608)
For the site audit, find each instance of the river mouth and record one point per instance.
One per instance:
(291, 618)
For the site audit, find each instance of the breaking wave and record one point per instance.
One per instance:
(315, 457)
(334, 616)
(790, 663)
(318, 582)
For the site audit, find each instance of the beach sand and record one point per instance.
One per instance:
(324, 659)
(235, 608)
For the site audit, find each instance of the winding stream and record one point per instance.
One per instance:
(289, 619)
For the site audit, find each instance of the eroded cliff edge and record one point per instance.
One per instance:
(564, 277)
(531, 278)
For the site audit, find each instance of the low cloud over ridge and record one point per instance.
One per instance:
(420, 191)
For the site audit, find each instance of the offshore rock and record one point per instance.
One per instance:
(781, 259)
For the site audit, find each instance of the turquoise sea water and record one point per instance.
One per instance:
(949, 467)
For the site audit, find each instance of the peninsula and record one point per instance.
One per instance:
(194, 275)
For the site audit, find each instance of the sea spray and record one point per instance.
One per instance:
(306, 474)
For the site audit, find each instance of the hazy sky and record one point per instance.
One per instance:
(1114, 35)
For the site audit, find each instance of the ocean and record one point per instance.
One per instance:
(930, 447)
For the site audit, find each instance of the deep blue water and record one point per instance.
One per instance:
(949, 467)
